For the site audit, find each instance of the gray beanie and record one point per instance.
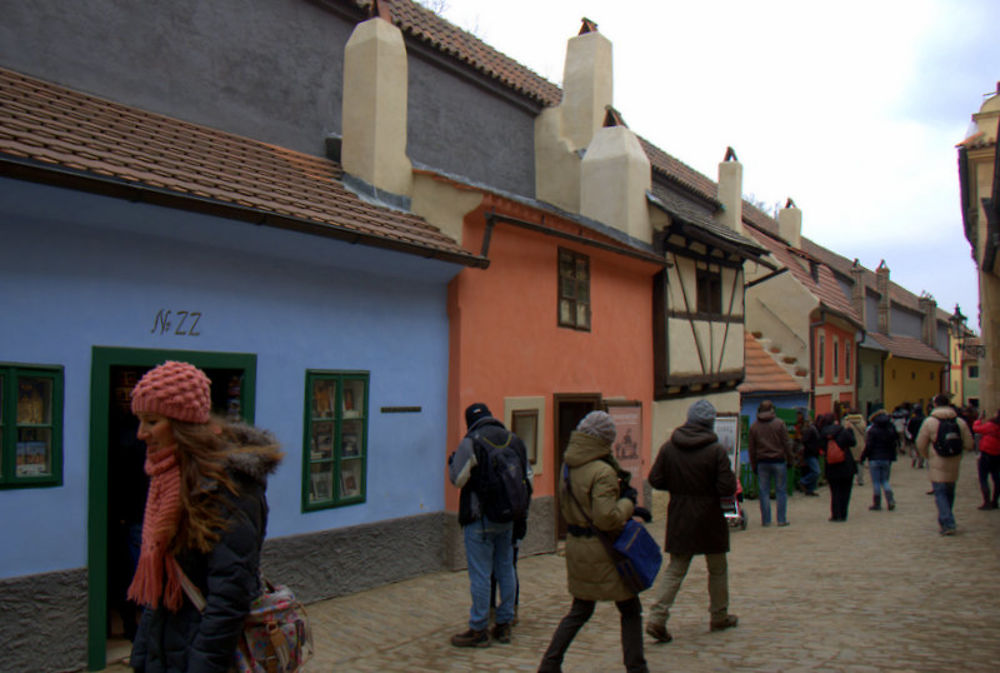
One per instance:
(598, 424)
(702, 413)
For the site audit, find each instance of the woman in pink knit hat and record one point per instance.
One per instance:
(205, 520)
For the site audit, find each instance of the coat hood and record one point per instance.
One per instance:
(255, 452)
(584, 448)
(691, 436)
(765, 415)
(942, 413)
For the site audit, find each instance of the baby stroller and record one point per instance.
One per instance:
(732, 508)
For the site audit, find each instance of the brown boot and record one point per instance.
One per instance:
(471, 638)
(658, 632)
(729, 622)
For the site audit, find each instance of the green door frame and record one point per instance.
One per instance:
(97, 536)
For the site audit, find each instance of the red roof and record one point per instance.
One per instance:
(907, 347)
(47, 130)
(763, 374)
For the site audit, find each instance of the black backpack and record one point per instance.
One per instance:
(949, 438)
(503, 485)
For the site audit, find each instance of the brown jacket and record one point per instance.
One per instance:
(769, 441)
(942, 469)
(593, 474)
(694, 467)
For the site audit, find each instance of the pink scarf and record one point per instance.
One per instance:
(159, 525)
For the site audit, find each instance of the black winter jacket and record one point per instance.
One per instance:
(468, 477)
(845, 439)
(189, 641)
(881, 440)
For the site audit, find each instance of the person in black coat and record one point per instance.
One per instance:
(881, 446)
(839, 473)
(205, 519)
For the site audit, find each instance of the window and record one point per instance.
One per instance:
(31, 400)
(821, 357)
(709, 286)
(574, 290)
(973, 371)
(336, 426)
(848, 350)
(836, 359)
(524, 424)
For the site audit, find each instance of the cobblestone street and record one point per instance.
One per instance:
(882, 593)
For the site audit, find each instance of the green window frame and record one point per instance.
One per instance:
(574, 290)
(335, 443)
(31, 421)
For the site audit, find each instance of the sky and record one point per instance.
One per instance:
(853, 109)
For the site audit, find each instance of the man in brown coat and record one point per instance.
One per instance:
(694, 468)
(770, 456)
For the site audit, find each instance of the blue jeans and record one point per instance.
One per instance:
(880, 471)
(488, 551)
(944, 497)
(811, 475)
(779, 473)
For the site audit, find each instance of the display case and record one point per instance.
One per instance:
(30, 426)
(336, 439)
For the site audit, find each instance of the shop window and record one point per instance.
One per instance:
(335, 446)
(31, 404)
(524, 424)
(709, 289)
(574, 290)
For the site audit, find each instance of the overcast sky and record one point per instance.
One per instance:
(852, 108)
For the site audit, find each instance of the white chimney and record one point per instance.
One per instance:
(587, 85)
(790, 224)
(374, 106)
(731, 192)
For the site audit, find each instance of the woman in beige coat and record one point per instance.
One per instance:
(943, 470)
(593, 475)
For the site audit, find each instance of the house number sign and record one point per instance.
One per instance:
(180, 323)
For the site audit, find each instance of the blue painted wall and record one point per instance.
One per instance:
(81, 270)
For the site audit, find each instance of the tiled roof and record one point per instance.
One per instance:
(907, 347)
(426, 26)
(46, 129)
(824, 287)
(763, 374)
(677, 171)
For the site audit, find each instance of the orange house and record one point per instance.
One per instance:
(559, 324)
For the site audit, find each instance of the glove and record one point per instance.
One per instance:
(631, 494)
(643, 514)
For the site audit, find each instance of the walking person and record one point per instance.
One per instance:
(881, 448)
(486, 512)
(812, 442)
(912, 429)
(205, 517)
(855, 422)
(593, 495)
(840, 466)
(694, 467)
(988, 432)
(770, 456)
(942, 438)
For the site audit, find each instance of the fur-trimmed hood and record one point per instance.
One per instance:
(255, 452)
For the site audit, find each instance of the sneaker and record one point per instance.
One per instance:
(947, 531)
(471, 638)
(729, 622)
(782, 524)
(814, 493)
(501, 633)
(987, 505)
(658, 632)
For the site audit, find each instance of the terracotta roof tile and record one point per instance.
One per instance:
(45, 123)
(908, 347)
(763, 374)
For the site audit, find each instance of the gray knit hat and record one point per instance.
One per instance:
(598, 424)
(702, 413)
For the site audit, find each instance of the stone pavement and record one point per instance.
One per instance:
(881, 593)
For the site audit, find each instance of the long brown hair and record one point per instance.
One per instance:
(201, 454)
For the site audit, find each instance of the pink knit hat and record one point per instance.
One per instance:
(176, 390)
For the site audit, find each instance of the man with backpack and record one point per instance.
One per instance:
(942, 438)
(490, 467)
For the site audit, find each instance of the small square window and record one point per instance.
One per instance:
(524, 424)
(574, 290)
(30, 426)
(335, 453)
(709, 290)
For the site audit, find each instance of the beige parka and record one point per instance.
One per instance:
(593, 474)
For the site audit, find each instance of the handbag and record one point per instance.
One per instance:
(276, 636)
(635, 553)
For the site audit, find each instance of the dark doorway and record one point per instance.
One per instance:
(569, 410)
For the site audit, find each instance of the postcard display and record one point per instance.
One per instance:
(34, 426)
(336, 457)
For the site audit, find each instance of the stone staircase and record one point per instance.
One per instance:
(789, 363)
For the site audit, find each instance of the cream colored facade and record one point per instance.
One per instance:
(980, 151)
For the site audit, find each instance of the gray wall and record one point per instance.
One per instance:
(44, 624)
(271, 70)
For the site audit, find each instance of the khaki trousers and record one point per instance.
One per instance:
(670, 580)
